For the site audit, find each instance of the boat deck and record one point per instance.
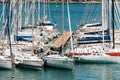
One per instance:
(60, 41)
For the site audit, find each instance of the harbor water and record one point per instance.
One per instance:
(80, 72)
(80, 14)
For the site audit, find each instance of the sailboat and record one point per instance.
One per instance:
(91, 32)
(58, 61)
(6, 60)
(44, 22)
(95, 26)
(57, 58)
(28, 58)
(100, 56)
(5, 63)
(30, 61)
(54, 57)
(113, 51)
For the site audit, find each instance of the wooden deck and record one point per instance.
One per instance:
(60, 41)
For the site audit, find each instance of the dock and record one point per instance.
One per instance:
(60, 41)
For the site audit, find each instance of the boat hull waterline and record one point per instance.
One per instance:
(6, 64)
(65, 63)
(91, 59)
(31, 64)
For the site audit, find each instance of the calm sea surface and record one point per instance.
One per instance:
(80, 72)
(80, 14)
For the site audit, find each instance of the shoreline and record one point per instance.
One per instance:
(72, 2)
(77, 2)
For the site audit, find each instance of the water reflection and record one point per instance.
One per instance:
(45, 74)
(80, 72)
(5, 74)
(27, 74)
(58, 74)
(97, 72)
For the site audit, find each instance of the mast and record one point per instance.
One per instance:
(20, 14)
(62, 23)
(3, 12)
(69, 20)
(9, 38)
(108, 33)
(33, 24)
(17, 26)
(44, 9)
(8, 27)
(113, 27)
(105, 18)
(38, 10)
(25, 11)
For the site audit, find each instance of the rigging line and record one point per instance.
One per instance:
(44, 8)
(88, 12)
(4, 9)
(96, 10)
(80, 21)
(14, 10)
(3, 13)
(39, 10)
(85, 17)
(3, 33)
(36, 11)
(28, 9)
(49, 12)
(2, 16)
(62, 24)
(20, 14)
(117, 6)
(3, 36)
(96, 13)
(92, 11)
(117, 16)
(4, 26)
(25, 8)
(9, 38)
(116, 11)
(33, 9)
(52, 16)
(85, 13)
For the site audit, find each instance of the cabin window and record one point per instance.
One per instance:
(98, 54)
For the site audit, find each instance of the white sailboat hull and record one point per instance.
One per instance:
(33, 64)
(49, 27)
(5, 64)
(98, 59)
(59, 63)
